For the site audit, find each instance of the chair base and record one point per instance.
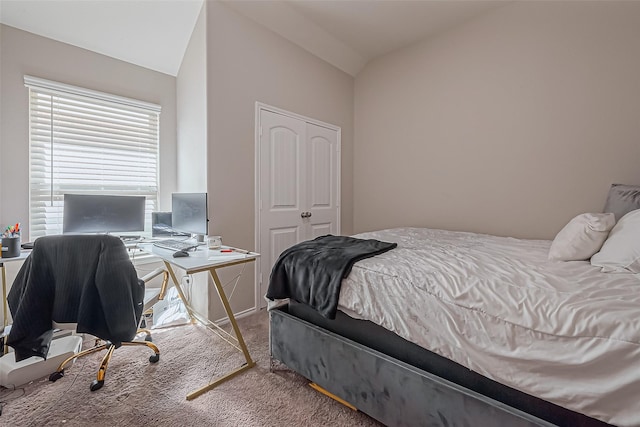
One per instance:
(110, 348)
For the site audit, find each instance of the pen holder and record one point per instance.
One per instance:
(10, 247)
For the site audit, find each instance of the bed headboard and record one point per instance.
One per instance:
(622, 198)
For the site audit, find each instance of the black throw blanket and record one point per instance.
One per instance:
(311, 272)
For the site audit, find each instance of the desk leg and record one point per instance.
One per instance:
(5, 310)
(179, 289)
(232, 317)
(249, 362)
(5, 304)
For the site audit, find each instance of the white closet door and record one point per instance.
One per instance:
(282, 187)
(299, 170)
(322, 181)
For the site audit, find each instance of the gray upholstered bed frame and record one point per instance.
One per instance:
(388, 389)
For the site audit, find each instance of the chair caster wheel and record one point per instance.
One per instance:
(56, 376)
(154, 358)
(148, 338)
(96, 385)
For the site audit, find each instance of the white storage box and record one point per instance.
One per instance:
(15, 374)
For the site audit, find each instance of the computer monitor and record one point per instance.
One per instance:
(161, 224)
(90, 213)
(189, 212)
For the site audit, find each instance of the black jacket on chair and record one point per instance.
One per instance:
(83, 279)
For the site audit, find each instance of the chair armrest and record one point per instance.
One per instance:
(165, 280)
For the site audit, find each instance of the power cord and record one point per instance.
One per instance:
(7, 397)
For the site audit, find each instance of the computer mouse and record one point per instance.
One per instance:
(180, 254)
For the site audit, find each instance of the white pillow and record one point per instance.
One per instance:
(621, 250)
(582, 237)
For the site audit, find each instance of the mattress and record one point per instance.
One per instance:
(561, 331)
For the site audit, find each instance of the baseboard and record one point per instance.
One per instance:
(238, 315)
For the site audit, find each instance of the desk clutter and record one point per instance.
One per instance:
(10, 243)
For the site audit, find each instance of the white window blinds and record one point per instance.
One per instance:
(87, 142)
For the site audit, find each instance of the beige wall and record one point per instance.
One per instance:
(510, 124)
(191, 159)
(247, 63)
(25, 53)
(191, 83)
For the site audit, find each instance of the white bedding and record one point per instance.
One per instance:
(561, 331)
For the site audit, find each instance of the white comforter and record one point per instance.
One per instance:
(561, 331)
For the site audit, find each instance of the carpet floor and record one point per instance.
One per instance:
(137, 392)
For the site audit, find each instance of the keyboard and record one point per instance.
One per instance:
(175, 244)
(27, 245)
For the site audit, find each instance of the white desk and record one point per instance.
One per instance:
(208, 260)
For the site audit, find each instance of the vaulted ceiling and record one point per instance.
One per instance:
(155, 34)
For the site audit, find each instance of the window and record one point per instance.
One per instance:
(87, 142)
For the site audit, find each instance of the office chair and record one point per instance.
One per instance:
(85, 281)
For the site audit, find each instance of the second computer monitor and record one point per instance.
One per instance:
(97, 213)
(161, 224)
(189, 212)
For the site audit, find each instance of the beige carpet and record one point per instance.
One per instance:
(139, 393)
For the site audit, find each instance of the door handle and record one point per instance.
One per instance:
(305, 214)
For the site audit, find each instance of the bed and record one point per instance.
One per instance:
(457, 328)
